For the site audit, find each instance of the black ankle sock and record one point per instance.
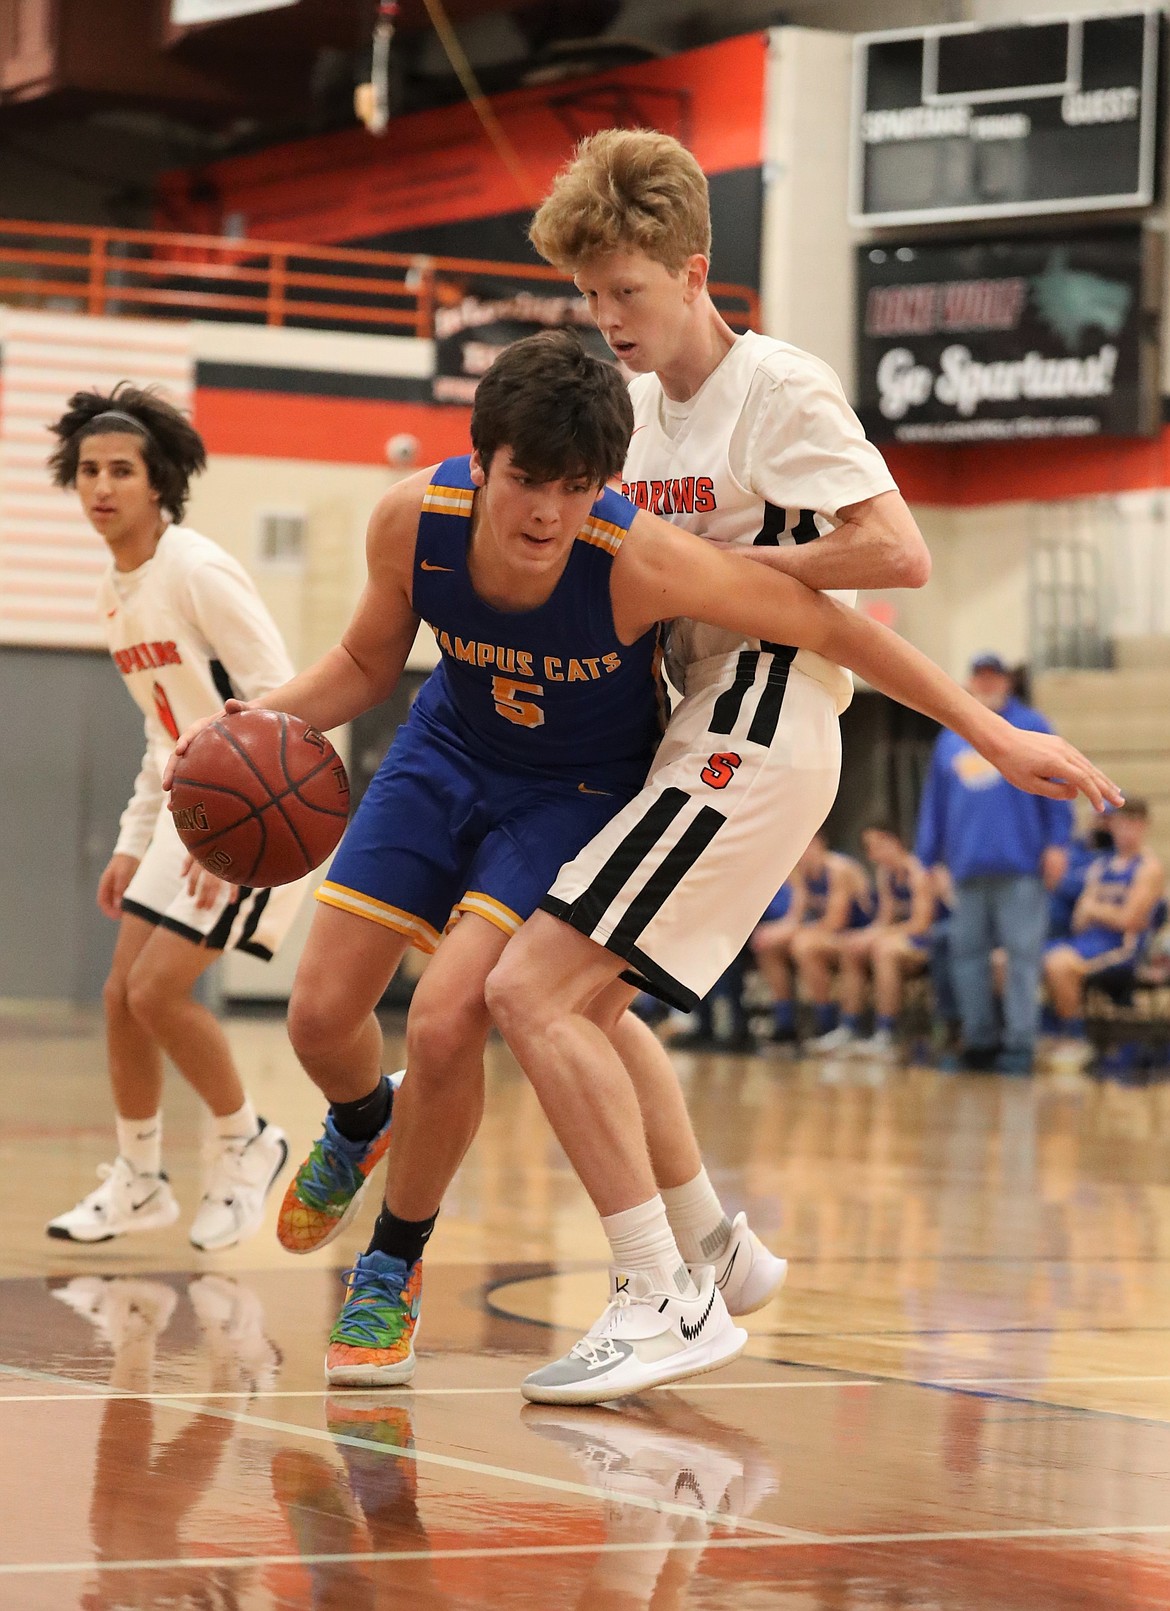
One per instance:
(400, 1238)
(361, 1120)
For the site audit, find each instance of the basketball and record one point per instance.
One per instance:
(260, 798)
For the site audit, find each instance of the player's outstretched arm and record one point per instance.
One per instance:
(662, 572)
(363, 669)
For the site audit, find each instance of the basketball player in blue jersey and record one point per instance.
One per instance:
(544, 592)
(1111, 923)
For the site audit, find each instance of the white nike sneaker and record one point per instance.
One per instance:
(124, 1202)
(239, 1176)
(746, 1273)
(839, 1042)
(643, 1338)
(231, 1316)
(637, 1462)
(119, 1307)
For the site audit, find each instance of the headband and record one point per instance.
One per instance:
(114, 419)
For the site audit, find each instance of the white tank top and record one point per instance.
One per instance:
(769, 450)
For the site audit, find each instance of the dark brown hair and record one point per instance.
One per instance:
(172, 448)
(562, 412)
(1134, 806)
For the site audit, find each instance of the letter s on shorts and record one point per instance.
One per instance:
(720, 769)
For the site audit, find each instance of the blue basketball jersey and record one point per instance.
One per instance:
(816, 888)
(901, 897)
(551, 690)
(1114, 880)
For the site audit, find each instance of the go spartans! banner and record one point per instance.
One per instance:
(1000, 340)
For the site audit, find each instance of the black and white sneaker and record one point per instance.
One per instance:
(239, 1176)
(642, 1339)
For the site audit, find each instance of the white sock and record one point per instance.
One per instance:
(140, 1143)
(697, 1218)
(239, 1126)
(640, 1239)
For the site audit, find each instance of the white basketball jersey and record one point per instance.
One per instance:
(767, 451)
(170, 625)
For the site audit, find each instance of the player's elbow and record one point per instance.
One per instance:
(909, 559)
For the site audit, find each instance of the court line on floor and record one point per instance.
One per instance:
(429, 1457)
(489, 1552)
(95, 1392)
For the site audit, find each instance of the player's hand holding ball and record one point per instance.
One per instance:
(259, 797)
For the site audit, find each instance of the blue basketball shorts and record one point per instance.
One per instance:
(440, 832)
(1101, 949)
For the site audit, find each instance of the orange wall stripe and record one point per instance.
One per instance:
(338, 430)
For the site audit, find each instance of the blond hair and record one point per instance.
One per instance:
(625, 189)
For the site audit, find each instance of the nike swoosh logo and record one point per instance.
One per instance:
(691, 1332)
(583, 788)
(114, 611)
(635, 431)
(726, 1276)
(427, 566)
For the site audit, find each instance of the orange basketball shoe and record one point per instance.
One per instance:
(372, 1341)
(327, 1189)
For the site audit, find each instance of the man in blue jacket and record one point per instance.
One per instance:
(1005, 850)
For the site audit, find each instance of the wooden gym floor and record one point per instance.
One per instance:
(961, 1400)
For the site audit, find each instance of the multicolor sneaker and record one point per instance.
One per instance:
(378, 1450)
(328, 1187)
(372, 1341)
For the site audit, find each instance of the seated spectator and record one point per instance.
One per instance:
(706, 1032)
(1112, 923)
(947, 1024)
(829, 894)
(1083, 850)
(888, 950)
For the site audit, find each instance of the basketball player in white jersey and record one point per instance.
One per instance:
(750, 443)
(186, 628)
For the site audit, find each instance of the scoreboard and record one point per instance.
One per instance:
(970, 122)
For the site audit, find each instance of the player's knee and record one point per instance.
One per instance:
(115, 999)
(318, 1023)
(444, 1038)
(148, 995)
(509, 993)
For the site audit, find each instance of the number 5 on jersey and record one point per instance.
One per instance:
(514, 701)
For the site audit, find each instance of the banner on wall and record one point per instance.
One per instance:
(435, 184)
(477, 317)
(1006, 340)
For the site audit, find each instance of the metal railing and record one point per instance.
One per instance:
(142, 273)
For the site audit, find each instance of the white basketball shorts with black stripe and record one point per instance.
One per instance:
(250, 920)
(745, 775)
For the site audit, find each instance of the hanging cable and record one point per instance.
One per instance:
(480, 104)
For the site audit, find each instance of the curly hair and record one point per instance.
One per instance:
(625, 188)
(562, 412)
(171, 446)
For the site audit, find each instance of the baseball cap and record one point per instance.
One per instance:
(990, 661)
